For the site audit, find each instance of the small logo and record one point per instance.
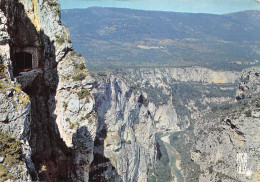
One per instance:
(242, 165)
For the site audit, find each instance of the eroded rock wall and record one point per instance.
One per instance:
(131, 111)
(15, 110)
(125, 146)
(227, 141)
(53, 115)
(160, 76)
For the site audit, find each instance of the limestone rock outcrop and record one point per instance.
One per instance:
(249, 83)
(159, 76)
(66, 126)
(125, 145)
(227, 141)
(50, 111)
(135, 105)
(14, 113)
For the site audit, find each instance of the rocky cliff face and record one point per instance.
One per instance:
(125, 147)
(172, 88)
(49, 129)
(227, 141)
(159, 76)
(14, 116)
(50, 113)
(135, 105)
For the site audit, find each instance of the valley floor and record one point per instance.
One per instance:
(174, 158)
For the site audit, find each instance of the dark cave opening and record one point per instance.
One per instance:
(22, 62)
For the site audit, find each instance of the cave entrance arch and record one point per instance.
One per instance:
(22, 62)
(25, 59)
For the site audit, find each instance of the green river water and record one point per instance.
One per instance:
(173, 155)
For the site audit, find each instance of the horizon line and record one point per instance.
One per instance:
(159, 10)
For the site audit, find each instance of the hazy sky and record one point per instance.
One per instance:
(195, 6)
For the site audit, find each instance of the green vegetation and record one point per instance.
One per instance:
(80, 69)
(80, 66)
(24, 98)
(234, 110)
(79, 76)
(89, 117)
(162, 171)
(13, 155)
(248, 113)
(85, 117)
(65, 105)
(155, 95)
(2, 69)
(3, 86)
(182, 93)
(79, 55)
(72, 125)
(52, 3)
(74, 53)
(67, 77)
(179, 142)
(84, 93)
(60, 40)
(170, 42)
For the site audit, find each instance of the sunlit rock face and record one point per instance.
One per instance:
(227, 141)
(49, 106)
(125, 144)
(129, 117)
(72, 128)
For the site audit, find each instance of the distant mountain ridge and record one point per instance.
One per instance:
(150, 38)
